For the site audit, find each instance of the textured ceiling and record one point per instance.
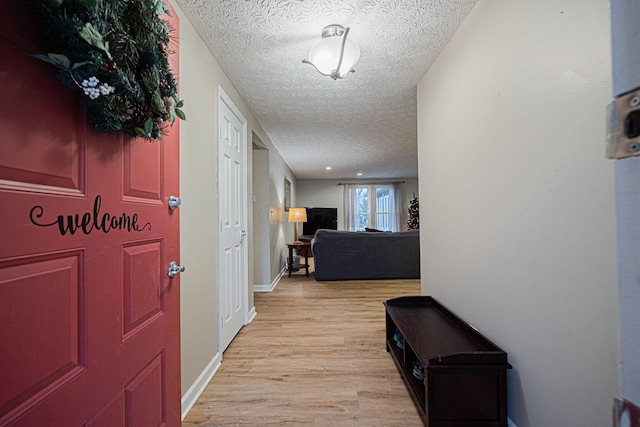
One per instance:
(365, 123)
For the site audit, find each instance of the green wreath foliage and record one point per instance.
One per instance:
(116, 53)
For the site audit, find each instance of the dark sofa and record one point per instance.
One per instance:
(350, 255)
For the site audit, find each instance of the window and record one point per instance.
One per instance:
(375, 207)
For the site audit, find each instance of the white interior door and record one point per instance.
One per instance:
(232, 190)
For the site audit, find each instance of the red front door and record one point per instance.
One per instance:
(89, 319)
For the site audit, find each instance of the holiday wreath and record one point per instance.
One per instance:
(116, 53)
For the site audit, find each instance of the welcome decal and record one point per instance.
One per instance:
(89, 221)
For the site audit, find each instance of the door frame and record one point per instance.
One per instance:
(260, 231)
(626, 78)
(222, 97)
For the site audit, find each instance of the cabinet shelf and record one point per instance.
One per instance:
(464, 373)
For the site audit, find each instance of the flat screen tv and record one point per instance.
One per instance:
(318, 218)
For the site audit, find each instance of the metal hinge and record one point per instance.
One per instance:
(623, 126)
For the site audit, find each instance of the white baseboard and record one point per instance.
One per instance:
(272, 286)
(262, 288)
(191, 396)
(251, 315)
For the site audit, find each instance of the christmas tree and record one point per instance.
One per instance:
(413, 223)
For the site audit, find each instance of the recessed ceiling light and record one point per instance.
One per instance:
(328, 168)
(359, 174)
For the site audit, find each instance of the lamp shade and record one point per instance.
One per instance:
(298, 215)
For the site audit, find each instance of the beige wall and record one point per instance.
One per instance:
(281, 231)
(261, 230)
(199, 78)
(519, 239)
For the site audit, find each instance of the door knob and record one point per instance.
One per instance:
(174, 202)
(243, 234)
(174, 269)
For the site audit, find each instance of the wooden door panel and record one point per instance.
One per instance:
(236, 192)
(45, 297)
(111, 416)
(142, 170)
(225, 207)
(231, 282)
(228, 282)
(231, 213)
(49, 152)
(142, 285)
(144, 396)
(237, 283)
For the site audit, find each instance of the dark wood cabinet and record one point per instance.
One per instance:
(456, 376)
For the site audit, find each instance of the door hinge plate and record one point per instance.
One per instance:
(623, 126)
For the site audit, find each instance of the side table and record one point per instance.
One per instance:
(300, 248)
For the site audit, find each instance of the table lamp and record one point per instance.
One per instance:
(297, 215)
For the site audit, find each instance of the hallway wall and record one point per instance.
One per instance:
(199, 78)
(520, 236)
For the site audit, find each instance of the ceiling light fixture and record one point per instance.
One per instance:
(334, 56)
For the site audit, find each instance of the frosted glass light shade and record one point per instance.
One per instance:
(325, 55)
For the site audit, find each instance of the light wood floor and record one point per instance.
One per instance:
(314, 355)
